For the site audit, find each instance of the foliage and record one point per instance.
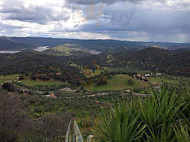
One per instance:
(182, 134)
(150, 119)
(121, 124)
(118, 82)
(17, 125)
(9, 86)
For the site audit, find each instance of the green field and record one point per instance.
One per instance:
(35, 83)
(8, 78)
(174, 80)
(63, 50)
(29, 82)
(118, 82)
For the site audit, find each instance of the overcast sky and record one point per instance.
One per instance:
(134, 20)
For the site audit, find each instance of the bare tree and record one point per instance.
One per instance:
(12, 117)
(54, 126)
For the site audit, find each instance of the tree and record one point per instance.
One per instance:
(12, 118)
(53, 126)
(33, 77)
(130, 82)
(9, 86)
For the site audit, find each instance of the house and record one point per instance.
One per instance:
(147, 75)
(127, 91)
(52, 95)
(97, 102)
(58, 73)
(47, 96)
(139, 76)
(158, 74)
(68, 90)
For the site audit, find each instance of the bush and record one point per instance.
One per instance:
(120, 124)
(130, 82)
(149, 119)
(12, 119)
(33, 77)
(9, 87)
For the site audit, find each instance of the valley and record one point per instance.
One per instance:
(68, 77)
(94, 71)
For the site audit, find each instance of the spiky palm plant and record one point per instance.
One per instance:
(151, 119)
(120, 124)
(182, 134)
(159, 112)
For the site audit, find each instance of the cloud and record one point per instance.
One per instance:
(156, 20)
(111, 1)
(142, 20)
(17, 10)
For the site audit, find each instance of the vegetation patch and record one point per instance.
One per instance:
(35, 83)
(119, 82)
(4, 78)
(66, 50)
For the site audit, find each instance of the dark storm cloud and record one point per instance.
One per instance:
(36, 14)
(141, 20)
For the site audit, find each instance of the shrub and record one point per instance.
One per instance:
(9, 87)
(130, 82)
(182, 134)
(160, 111)
(149, 119)
(120, 124)
(12, 118)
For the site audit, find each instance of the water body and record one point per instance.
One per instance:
(8, 52)
(94, 52)
(39, 49)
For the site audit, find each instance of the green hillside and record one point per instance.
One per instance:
(119, 82)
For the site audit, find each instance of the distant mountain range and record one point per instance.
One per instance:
(150, 59)
(7, 43)
(171, 58)
(19, 43)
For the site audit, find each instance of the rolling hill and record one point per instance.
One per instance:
(7, 43)
(32, 62)
(113, 53)
(158, 60)
(152, 59)
(18, 43)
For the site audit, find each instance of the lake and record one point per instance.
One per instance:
(9, 52)
(94, 52)
(39, 49)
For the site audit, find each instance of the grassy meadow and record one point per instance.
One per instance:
(119, 82)
(31, 83)
(35, 83)
(7, 78)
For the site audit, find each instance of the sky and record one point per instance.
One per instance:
(131, 20)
